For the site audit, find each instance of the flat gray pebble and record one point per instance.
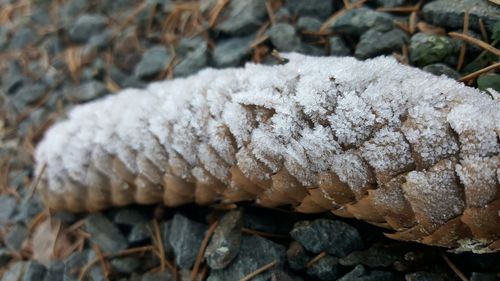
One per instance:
(442, 69)
(85, 26)
(225, 242)
(316, 8)
(428, 48)
(231, 52)
(373, 42)
(324, 269)
(357, 21)
(308, 23)
(255, 252)
(185, 237)
(194, 54)
(338, 47)
(284, 37)
(335, 237)
(242, 17)
(153, 61)
(86, 91)
(105, 234)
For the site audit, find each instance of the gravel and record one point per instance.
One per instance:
(357, 21)
(185, 237)
(105, 234)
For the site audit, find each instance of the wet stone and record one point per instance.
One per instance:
(105, 234)
(373, 43)
(335, 237)
(357, 21)
(423, 276)
(284, 37)
(125, 265)
(360, 274)
(375, 256)
(243, 17)
(231, 52)
(428, 48)
(55, 272)
(86, 26)
(255, 252)
(338, 47)
(8, 206)
(442, 69)
(324, 269)
(86, 91)
(225, 242)
(185, 237)
(450, 13)
(316, 8)
(297, 256)
(153, 61)
(476, 276)
(489, 80)
(73, 264)
(34, 271)
(157, 276)
(16, 236)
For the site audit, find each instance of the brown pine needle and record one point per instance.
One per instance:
(479, 72)
(104, 265)
(482, 28)
(259, 271)
(476, 42)
(463, 47)
(201, 251)
(413, 22)
(454, 268)
(261, 233)
(406, 9)
(159, 245)
(316, 259)
(37, 181)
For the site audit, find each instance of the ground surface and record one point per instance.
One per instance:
(55, 54)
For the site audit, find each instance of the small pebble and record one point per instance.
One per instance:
(373, 43)
(376, 256)
(185, 237)
(315, 8)
(243, 17)
(158, 276)
(105, 234)
(231, 52)
(16, 236)
(357, 21)
(423, 276)
(73, 264)
(284, 37)
(297, 256)
(86, 26)
(86, 91)
(335, 237)
(324, 269)
(225, 242)
(15, 271)
(428, 48)
(125, 265)
(154, 61)
(360, 274)
(442, 69)
(489, 80)
(338, 47)
(34, 271)
(55, 271)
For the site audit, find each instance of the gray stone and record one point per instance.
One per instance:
(13, 79)
(225, 242)
(15, 271)
(243, 17)
(154, 61)
(32, 206)
(8, 206)
(282, 14)
(442, 69)
(376, 256)
(316, 8)
(22, 38)
(423, 276)
(129, 216)
(357, 21)
(34, 271)
(308, 24)
(5, 257)
(338, 47)
(55, 272)
(373, 42)
(86, 26)
(335, 237)
(428, 48)
(71, 9)
(185, 237)
(157, 276)
(280, 275)
(360, 274)
(139, 233)
(390, 3)
(284, 37)
(266, 222)
(16, 236)
(52, 45)
(73, 264)
(450, 13)
(324, 269)
(297, 256)
(87, 91)
(125, 265)
(476, 276)
(231, 52)
(105, 234)
(29, 94)
(255, 252)
(489, 80)
(194, 53)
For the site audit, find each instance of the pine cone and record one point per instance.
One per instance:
(375, 140)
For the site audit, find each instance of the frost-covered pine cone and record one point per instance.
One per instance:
(375, 140)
